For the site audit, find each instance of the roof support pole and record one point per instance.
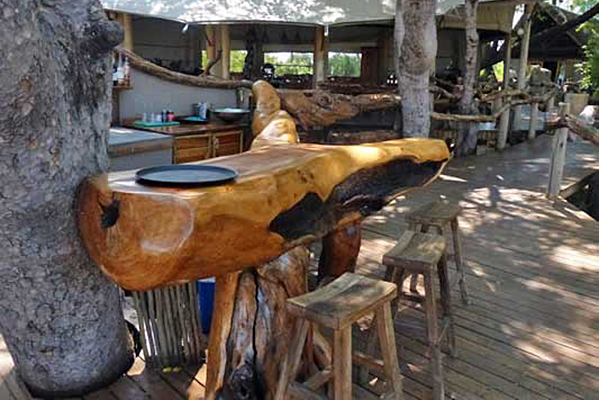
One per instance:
(125, 20)
(524, 45)
(225, 43)
(505, 117)
(321, 54)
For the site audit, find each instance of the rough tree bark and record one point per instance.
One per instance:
(416, 45)
(60, 316)
(468, 134)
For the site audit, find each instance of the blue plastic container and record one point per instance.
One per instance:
(206, 300)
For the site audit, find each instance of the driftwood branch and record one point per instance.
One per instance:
(211, 63)
(320, 108)
(150, 68)
(496, 114)
(580, 128)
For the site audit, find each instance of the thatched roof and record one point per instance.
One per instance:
(564, 45)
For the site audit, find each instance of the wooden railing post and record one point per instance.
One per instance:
(558, 155)
(504, 125)
(534, 116)
(504, 122)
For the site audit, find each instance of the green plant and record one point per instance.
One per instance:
(589, 68)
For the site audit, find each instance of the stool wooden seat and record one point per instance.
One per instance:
(337, 306)
(442, 215)
(423, 253)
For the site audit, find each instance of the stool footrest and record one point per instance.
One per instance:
(319, 378)
(362, 358)
(303, 392)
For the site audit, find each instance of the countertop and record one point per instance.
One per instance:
(196, 129)
(123, 141)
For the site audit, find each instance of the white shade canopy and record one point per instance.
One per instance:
(313, 12)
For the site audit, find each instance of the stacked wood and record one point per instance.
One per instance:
(171, 334)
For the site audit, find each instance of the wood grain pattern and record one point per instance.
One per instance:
(343, 301)
(148, 236)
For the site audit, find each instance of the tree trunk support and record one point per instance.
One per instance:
(467, 138)
(339, 252)
(321, 54)
(523, 61)
(416, 46)
(225, 43)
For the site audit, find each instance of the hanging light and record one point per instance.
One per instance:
(298, 38)
(284, 38)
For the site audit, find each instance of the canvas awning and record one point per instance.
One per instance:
(313, 12)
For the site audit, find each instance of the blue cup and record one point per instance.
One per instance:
(206, 300)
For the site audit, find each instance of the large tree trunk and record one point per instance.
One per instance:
(467, 136)
(416, 43)
(60, 316)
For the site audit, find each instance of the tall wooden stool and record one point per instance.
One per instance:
(442, 215)
(337, 306)
(423, 253)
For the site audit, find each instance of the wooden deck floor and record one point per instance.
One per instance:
(531, 330)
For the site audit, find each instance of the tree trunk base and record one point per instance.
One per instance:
(251, 330)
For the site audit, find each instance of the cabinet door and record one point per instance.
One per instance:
(228, 143)
(192, 148)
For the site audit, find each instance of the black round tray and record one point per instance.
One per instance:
(185, 175)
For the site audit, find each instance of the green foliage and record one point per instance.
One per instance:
(590, 67)
(344, 64)
(290, 63)
(237, 60)
(498, 70)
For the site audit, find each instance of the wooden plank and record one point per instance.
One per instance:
(148, 381)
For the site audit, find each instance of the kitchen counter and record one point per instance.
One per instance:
(134, 148)
(196, 142)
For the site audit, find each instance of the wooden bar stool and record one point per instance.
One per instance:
(337, 306)
(442, 215)
(423, 253)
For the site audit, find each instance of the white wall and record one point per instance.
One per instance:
(151, 94)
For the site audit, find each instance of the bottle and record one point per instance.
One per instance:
(127, 72)
(114, 71)
(120, 72)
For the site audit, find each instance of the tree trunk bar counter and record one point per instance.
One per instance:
(251, 234)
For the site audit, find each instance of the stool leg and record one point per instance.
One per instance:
(400, 276)
(363, 370)
(389, 350)
(446, 303)
(342, 364)
(414, 281)
(459, 260)
(291, 363)
(433, 338)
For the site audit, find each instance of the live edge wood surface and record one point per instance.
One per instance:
(147, 236)
(250, 233)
